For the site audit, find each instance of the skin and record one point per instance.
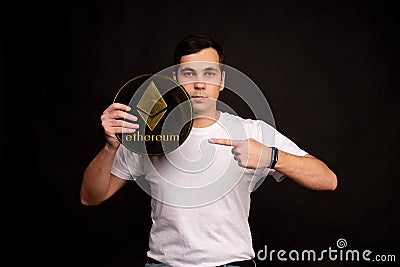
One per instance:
(202, 78)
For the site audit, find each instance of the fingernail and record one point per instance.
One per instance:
(128, 108)
(211, 141)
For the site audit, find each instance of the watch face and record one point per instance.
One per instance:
(164, 112)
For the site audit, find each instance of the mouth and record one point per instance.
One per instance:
(198, 98)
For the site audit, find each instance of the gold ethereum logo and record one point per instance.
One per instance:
(151, 106)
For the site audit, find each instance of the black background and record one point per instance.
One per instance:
(329, 69)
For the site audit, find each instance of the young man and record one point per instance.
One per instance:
(216, 233)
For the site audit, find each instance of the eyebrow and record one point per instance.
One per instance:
(191, 69)
(211, 68)
(187, 69)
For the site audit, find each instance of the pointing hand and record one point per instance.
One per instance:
(248, 153)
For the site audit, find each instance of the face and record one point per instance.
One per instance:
(201, 76)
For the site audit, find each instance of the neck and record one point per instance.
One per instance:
(205, 120)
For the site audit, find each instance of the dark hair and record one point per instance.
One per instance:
(195, 42)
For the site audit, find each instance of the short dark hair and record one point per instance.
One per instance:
(195, 42)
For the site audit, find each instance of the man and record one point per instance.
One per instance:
(215, 233)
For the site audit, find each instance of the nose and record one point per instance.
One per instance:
(199, 85)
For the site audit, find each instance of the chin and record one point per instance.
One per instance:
(199, 110)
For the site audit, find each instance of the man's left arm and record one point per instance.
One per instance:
(307, 171)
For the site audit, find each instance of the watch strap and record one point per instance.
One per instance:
(274, 157)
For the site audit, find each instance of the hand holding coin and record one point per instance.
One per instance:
(161, 107)
(116, 120)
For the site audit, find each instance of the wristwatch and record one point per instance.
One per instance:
(274, 157)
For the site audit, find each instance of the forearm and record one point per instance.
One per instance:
(307, 171)
(96, 178)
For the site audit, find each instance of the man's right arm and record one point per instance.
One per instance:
(98, 183)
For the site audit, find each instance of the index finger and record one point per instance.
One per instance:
(120, 106)
(223, 141)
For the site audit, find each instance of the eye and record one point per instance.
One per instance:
(210, 74)
(188, 74)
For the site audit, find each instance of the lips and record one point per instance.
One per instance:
(198, 98)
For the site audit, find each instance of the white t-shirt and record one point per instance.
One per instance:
(201, 196)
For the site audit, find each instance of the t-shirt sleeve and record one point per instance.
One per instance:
(273, 137)
(127, 165)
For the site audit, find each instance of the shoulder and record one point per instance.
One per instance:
(247, 122)
(232, 118)
(262, 132)
(253, 128)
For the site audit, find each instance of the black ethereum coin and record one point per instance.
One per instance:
(164, 112)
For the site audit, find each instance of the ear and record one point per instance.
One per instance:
(222, 84)
(174, 76)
